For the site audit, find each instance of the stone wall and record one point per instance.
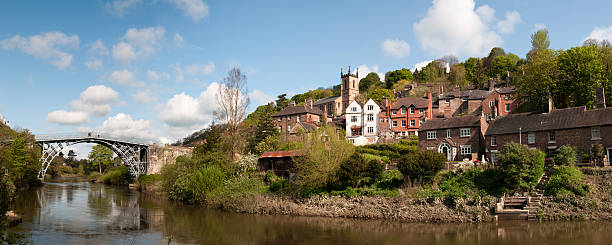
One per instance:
(160, 156)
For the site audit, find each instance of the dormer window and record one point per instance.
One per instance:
(411, 110)
(421, 111)
(394, 112)
(354, 108)
(403, 110)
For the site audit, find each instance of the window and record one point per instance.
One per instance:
(491, 103)
(507, 96)
(370, 129)
(394, 123)
(551, 137)
(507, 107)
(370, 107)
(493, 157)
(353, 118)
(421, 121)
(382, 120)
(464, 98)
(595, 133)
(412, 123)
(448, 131)
(489, 117)
(531, 138)
(403, 110)
(298, 118)
(465, 132)
(354, 108)
(370, 117)
(447, 101)
(466, 149)
(394, 112)
(421, 111)
(431, 135)
(353, 84)
(493, 140)
(411, 110)
(403, 123)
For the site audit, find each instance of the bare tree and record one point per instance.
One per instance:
(232, 102)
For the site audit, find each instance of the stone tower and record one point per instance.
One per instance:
(349, 87)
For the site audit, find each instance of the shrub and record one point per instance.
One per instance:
(566, 179)
(93, 176)
(148, 178)
(423, 166)
(351, 170)
(521, 166)
(246, 164)
(566, 155)
(392, 179)
(276, 184)
(195, 185)
(117, 176)
(237, 193)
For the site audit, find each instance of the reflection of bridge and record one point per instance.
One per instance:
(134, 155)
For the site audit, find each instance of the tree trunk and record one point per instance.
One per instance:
(100, 166)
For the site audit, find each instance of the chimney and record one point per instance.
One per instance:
(292, 103)
(310, 103)
(457, 92)
(601, 97)
(447, 112)
(385, 102)
(548, 106)
(491, 84)
(429, 106)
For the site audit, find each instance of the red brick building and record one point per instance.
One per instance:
(457, 137)
(291, 118)
(490, 103)
(405, 116)
(575, 126)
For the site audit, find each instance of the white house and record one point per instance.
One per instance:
(362, 122)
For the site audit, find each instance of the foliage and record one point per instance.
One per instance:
(281, 102)
(597, 151)
(566, 155)
(357, 171)
(539, 41)
(264, 127)
(275, 183)
(101, 156)
(380, 93)
(270, 143)
(422, 166)
(117, 176)
(458, 76)
(369, 82)
(327, 149)
(148, 178)
(393, 77)
(392, 151)
(432, 73)
(7, 194)
(566, 179)
(522, 167)
(94, 176)
(581, 71)
(316, 94)
(246, 164)
(196, 185)
(237, 193)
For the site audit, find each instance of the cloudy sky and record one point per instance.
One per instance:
(150, 68)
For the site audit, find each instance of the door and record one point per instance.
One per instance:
(609, 155)
(446, 150)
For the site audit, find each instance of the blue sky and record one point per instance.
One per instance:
(149, 69)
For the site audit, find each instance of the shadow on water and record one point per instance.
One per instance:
(73, 211)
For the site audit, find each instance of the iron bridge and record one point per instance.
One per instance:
(133, 154)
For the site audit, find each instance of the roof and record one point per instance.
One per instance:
(309, 127)
(298, 109)
(453, 122)
(505, 90)
(575, 117)
(406, 102)
(291, 153)
(474, 94)
(326, 100)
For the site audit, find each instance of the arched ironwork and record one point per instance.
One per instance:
(134, 155)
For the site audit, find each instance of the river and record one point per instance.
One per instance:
(73, 211)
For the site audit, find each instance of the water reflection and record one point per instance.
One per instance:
(73, 211)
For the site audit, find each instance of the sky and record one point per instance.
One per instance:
(150, 69)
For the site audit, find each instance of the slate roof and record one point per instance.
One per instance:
(505, 90)
(298, 109)
(474, 94)
(406, 102)
(309, 127)
(453, 122)
(291, 153)
(575, 117)
(326, 100)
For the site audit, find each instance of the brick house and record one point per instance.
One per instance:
(405, 116)
(362, 122)
(291, 118)
(575, 126)
(349, 90)
(490, 103)
(457, 137)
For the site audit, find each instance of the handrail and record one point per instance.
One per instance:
(90, 135)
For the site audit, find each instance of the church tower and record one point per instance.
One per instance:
(349, 87)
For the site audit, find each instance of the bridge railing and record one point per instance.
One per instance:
(92, 135)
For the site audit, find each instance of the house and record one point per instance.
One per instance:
(292, 118)
(548, 131)
(457, 137)
(349, 90)
(280, 162)
(362, 122)
(405, 116)
(497, 101)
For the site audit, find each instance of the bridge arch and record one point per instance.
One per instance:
(134, 155)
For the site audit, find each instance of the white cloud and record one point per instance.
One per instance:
(118, 7)
(142, 97)
(97, 110)
(178, 40)
(454, 27)
(49, 46)
(258, 98)
(99, 94)
(196, 9)
(98, 48)
(600, 33)
(364, 70)
(67, 117)
(178, 73)
(95, 64)
(486, 13)
(124, 78)
(506, 25)
(205, 69)
(156, 76)
(183, 114)
(420, 65)
(138, 44)
(123, 126)
(539, 26)
(395, 48)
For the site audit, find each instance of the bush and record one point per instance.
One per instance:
(566, 155)
(195, 185)
(148, 178)
(392, 179)
(93, 176)
(276, 184)
(423, 166)
(566, 179)
(237, 193)
(521, 166)
(117, 176)
(391, 151)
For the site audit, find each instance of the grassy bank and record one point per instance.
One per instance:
(114, 176)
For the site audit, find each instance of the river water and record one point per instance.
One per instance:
(73, 211)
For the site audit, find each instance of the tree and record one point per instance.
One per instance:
(521, 166)
(17, 154)
(371, 80)
(393, 77)
(265, 128)
(540, 80)
(379, 93)
(566, 155)
(451, 60)
(101, 156)
(457, 76)
(282, 102)
(474, 72)
(423, 165)
(581, 72)
(539, 41)
(501, 66)
(232, 102)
